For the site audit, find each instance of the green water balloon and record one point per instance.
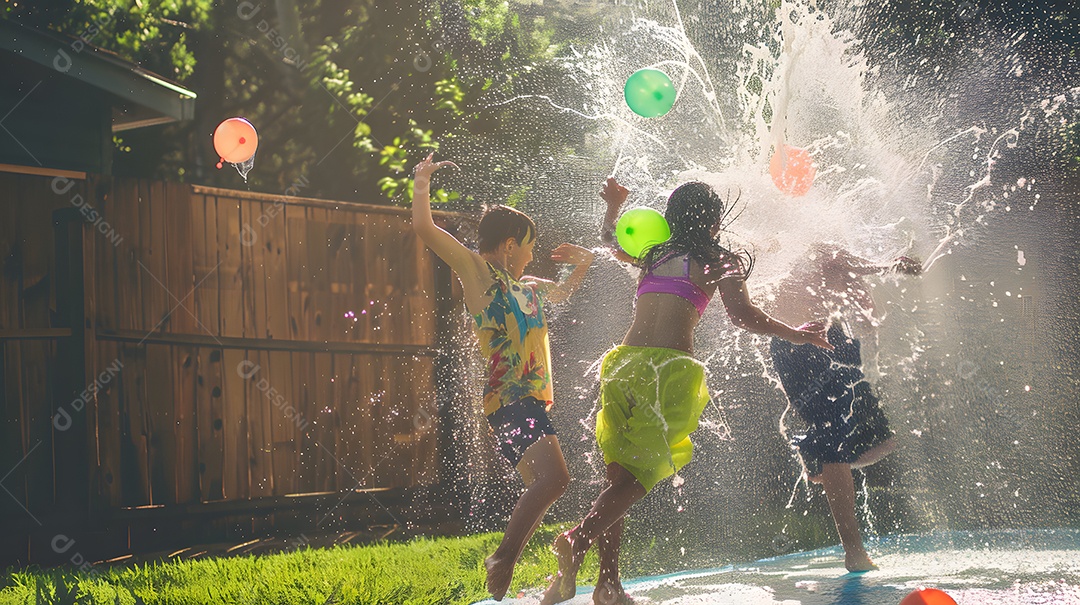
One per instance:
(639, 229)
(649, 92)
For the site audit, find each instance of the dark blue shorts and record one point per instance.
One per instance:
(518, 425)
(830, 393)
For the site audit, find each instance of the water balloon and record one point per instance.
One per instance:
(928, 596)
(235, 141)
(639, 229)
(792, 171)
(649, 92)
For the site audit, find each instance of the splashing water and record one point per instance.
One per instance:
(906, 164)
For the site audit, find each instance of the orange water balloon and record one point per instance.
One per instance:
(235, 140)
(928, 596)
(792, 171)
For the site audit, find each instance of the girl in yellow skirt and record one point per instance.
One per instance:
(652, 390)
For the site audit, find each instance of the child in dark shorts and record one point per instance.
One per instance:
(846, 428)
(508, 308)
(828, 390)
(518, 425)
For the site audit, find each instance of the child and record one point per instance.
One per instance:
(846, 427)
(509, 314)
(652, 390)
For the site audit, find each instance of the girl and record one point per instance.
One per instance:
(652, 390)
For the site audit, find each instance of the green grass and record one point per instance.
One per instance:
(421, 572)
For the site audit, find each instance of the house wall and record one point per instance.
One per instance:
(50, 120)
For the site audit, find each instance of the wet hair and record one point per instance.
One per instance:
(500, 223)
(693, 209)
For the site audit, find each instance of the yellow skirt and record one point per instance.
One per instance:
(650, 402)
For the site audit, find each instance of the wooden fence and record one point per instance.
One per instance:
(166, 345)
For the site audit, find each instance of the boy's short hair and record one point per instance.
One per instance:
(501, 223)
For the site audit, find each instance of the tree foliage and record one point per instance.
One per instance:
(346, 94)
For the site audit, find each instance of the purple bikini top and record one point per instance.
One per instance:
(679, 285)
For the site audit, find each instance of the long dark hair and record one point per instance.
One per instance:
(693, 209)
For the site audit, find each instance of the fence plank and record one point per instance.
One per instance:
(106, 249)
(128, 273)
(303, 366)
(35, 357)
(425, 455)
(318, 257)
(209, 387)
(284, 426)
(273, 236)
(35, 229)
(206, 269)
(234, 413)
(134, 444)
(108, 420)
(161, 423)
(378, 285)
(348, 400)
(325, 427)
(253, 270)
(296, 261)
(383, 468)
(260, 387)
(180, 257)
(156, 297)
(231, 278)
(369, 383)
(185, 368)
(357, 279)
(340, 299)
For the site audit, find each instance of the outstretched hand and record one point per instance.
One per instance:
(814, 333)
(907, 266)
(427, 166)
(572, 254)
(614, 194)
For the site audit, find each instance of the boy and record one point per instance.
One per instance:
(508, 309)
(847, 428)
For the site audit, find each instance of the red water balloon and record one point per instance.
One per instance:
(928, 596)
(792, 171)
(235, 140)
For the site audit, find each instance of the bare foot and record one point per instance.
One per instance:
(499, 574)
(859, 561)
(607, 593)
(564, 584)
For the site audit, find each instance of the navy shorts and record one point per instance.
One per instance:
(830, 393)
(518, 425)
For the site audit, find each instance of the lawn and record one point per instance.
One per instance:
(422, 571)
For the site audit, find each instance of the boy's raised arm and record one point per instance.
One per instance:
(441, 242)
(570, 254)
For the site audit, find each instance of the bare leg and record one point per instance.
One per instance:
(875, 453)
(840, 492)
(622, 491)
(544, 471)
(609, 589)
